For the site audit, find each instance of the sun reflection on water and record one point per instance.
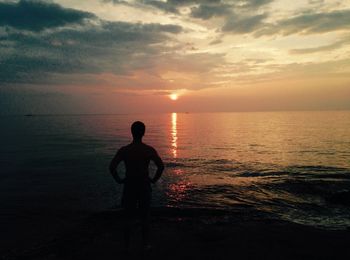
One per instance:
(178, 191)
(174, 134)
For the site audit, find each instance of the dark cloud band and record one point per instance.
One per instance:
(100, 47)
(38, 15)
(309, 23)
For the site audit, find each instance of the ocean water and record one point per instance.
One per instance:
(293, 166)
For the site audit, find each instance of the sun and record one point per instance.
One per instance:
(173, 97)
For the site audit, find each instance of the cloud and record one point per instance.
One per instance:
(216, 41)
(243, 24)
(316, 1)
(203, 6)
(247, 72)
(207, 11)
(309, 23)
(52, 56)
(330, 47)
(249, 16)
(240, 16)
(121, 54)
(168, 6)
(164, 6)
(38, 15)
(255, 3)
(246, 17)
(319, 69)
(203, 9)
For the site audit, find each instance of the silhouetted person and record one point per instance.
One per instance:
(137, 182)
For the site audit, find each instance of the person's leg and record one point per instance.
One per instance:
(129, 208)
(145, 229)
(127, 228)
(145, 219)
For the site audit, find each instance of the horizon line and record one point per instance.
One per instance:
(170, 112)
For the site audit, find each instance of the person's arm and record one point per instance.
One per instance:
(160, 167)
(113, 167)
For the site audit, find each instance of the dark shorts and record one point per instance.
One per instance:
(136, 198)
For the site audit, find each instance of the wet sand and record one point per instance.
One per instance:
(190, 233)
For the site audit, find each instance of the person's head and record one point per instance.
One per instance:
(138, 129)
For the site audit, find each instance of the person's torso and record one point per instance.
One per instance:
(137, 157)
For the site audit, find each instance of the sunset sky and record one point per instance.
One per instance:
(120, 56)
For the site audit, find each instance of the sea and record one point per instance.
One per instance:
(293, 166)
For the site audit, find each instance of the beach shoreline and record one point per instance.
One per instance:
(190, 233)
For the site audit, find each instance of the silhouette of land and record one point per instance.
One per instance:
(191, 233)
